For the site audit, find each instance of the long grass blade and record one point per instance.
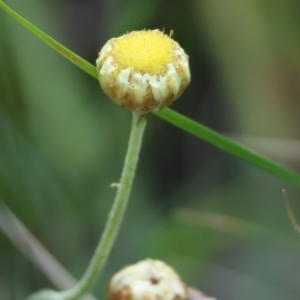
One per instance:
(23, 239)
(71, 56)
(229, 146)
(171, 116)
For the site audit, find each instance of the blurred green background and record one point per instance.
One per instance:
(62, 143)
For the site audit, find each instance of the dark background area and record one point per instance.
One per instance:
(62, 143)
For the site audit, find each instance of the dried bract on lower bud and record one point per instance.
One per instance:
(197, 295)
(143, 70)
(147, 280)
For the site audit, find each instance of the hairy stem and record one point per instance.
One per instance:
(113, 223)
(117, 212)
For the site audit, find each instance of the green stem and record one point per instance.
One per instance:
(114, 220)
(116, 215)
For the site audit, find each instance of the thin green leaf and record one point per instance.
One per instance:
(173, 117)
(229, 146)
(71, 56)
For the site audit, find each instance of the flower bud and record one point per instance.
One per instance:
(147, 280)
(143, 70)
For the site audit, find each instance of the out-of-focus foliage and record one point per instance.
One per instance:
(62, 144)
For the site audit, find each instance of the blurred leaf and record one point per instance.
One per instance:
(23, 239)
(171, 116)
(231, 225)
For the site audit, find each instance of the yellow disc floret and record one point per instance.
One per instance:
(144, 51)
(143, 70)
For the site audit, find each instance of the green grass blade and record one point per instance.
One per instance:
(171, 116)
(229, 146)
(71, 56)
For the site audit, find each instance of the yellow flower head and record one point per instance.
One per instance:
(143, 70)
